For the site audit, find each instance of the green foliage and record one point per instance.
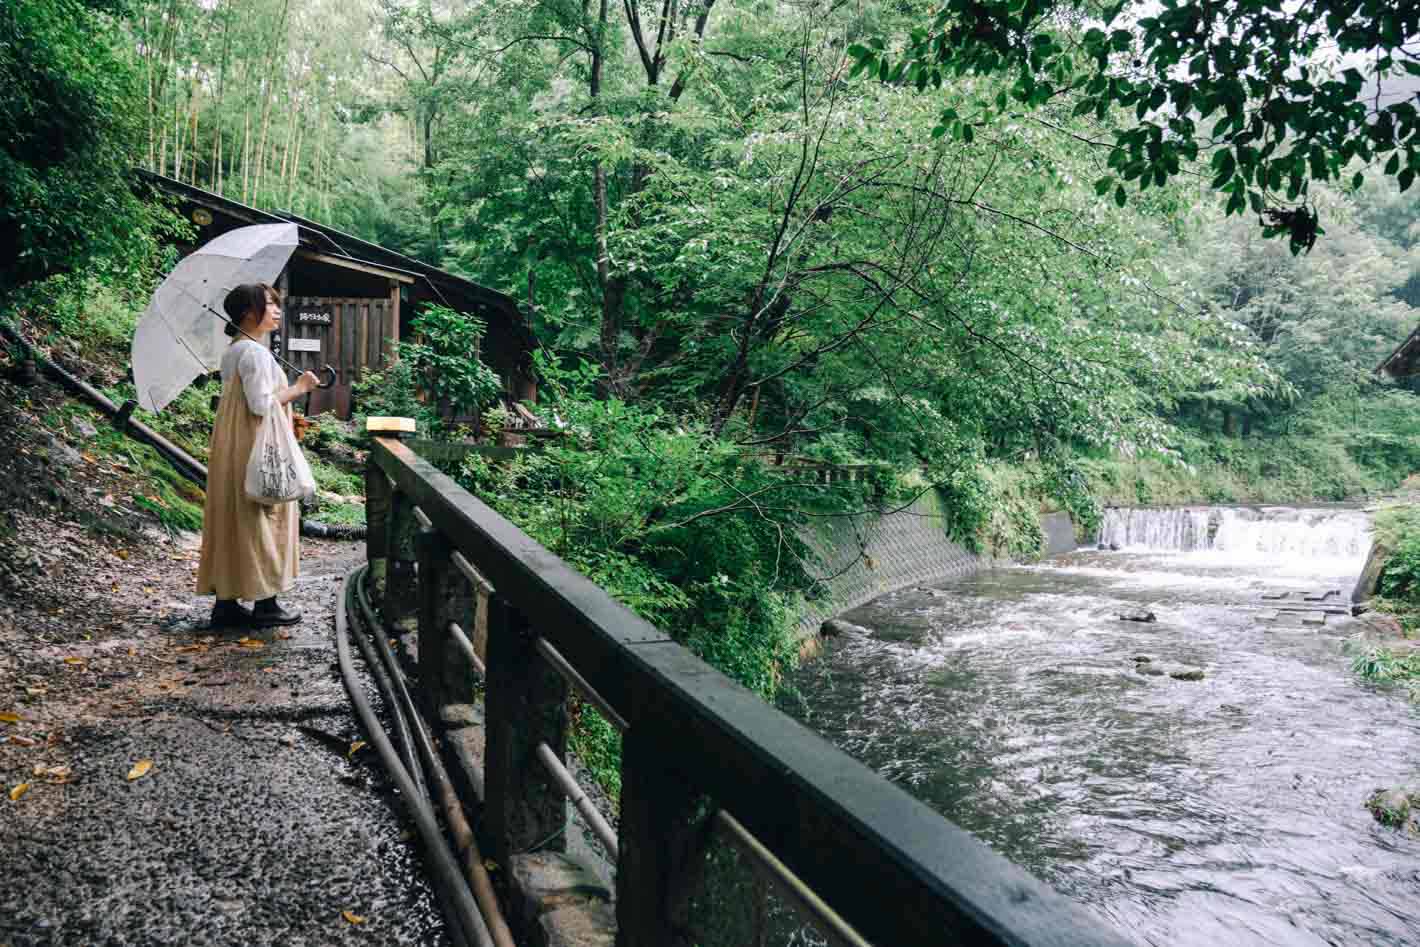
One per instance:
(445, 359)
(677, 525)
(333, 479)
(67, 140)
(1399, 528)
(597, 745)
(394, 392)
(1285, 117)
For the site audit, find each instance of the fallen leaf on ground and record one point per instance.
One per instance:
(352, 917)
(132, 651)
(191, 647)
(251, 643)
(121, 553)
(73, 660)
(18, 740)
(356, 747)
(268, 670)
(9, 718)
(90, 458)
(19, 791)
(57, 773)
(140, 769)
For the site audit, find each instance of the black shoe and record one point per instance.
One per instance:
(269, 612)
(230, 614)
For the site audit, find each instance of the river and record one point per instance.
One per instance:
(1223, 811)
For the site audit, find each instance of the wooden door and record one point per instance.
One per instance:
(349, 334)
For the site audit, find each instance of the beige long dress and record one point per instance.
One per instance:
(249, 550)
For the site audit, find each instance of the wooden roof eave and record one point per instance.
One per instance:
(1401, 362)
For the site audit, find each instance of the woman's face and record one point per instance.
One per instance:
(264, 321)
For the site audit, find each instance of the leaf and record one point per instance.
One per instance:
(18, 740)
(1407, 178)
(121, 553)
(251, 643)
(8, 717)
(352, 917)
(140, 769)
(1119, 196)
(74, 660)
(356, 747)
(18, 791)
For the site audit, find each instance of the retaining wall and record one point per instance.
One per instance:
(864, 557)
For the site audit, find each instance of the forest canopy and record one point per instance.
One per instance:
(896, 237)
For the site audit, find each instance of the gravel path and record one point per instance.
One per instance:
(254, 823)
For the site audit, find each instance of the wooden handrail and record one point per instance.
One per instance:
(893, 868)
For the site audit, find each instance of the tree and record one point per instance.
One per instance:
(67, 139)
(1286, 81)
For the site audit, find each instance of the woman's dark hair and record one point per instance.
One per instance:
(245, 299)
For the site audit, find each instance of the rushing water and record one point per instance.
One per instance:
(1227, 811)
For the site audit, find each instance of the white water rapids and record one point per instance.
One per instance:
(1187, 813)
(1268, 533)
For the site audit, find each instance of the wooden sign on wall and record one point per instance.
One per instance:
(314, 315)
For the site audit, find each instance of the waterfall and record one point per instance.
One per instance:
(1274, 532)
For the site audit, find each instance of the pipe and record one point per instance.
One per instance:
(468, 927)
(387, 690)
(569, 787)
(467, 649)
(185, 464)
(464, 840)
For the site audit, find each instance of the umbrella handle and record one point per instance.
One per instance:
(329, 383)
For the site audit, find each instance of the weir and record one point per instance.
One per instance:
(1240, 531)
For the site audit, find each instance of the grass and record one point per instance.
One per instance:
(340, 514)
(333, 479)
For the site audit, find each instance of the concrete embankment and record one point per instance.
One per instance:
(863, 557)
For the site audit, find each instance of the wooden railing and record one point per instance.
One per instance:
(700, 754)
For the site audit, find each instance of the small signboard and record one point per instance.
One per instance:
(314, 315)
(303, 345)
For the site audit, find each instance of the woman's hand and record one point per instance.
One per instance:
(304, 385)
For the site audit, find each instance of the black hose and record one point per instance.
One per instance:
(420, 737)
(465, 842)
(407, 750)
(468, 927)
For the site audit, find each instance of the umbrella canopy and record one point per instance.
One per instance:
(180, 335)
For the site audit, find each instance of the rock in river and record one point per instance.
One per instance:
(1393, 807)
(1138, 614)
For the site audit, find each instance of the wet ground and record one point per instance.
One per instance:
(1227, 810)
(253, 823)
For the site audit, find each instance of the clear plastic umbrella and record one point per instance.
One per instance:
(180, 336)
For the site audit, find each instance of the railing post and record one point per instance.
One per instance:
(658, 843)
(377, 507)
(401, 600)
(526, 704)
(445, 596)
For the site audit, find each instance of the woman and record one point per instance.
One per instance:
(249, 551)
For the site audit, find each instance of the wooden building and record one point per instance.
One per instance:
(348, 300)
(1404, 362)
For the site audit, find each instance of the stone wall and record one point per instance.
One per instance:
(864, 557)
